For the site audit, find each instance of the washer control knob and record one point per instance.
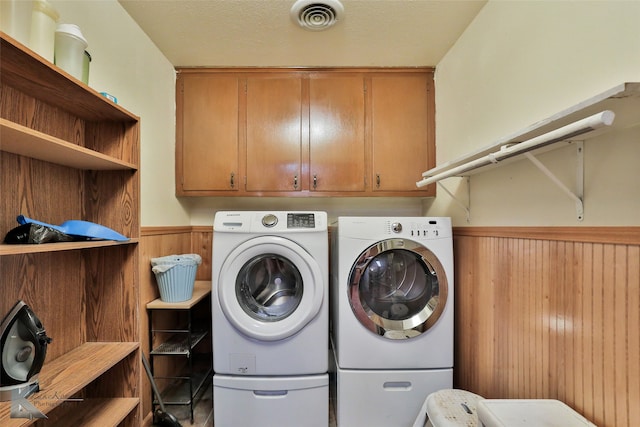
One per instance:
(269, 220)
(396, 227)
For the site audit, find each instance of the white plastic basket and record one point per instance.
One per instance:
(176, 275)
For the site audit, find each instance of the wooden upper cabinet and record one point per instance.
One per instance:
(290, 132)
(336, 133)
(402, 130)
(274, 133)
(207, 145)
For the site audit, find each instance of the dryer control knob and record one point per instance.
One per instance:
(269, 220)
(396, 227)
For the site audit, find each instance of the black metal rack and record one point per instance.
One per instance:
(182, 381)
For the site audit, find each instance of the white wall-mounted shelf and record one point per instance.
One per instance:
(617, 108)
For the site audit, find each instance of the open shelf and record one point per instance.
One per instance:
(27, 142)
(67, 152)
(6, 249)
(63, 377)
(183, 372)
(615, 109)
(28, 72)
(623, 100)
(177, 390)
(201, 289)
(178, 344)
(95, 412)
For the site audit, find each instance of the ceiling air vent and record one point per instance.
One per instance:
(316, 15)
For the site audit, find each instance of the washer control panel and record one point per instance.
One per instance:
(269, 220)
(301, 220)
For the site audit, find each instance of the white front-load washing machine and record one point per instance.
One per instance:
(392, 316)
(270, 316)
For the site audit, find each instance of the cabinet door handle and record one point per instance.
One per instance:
(315, 181)
(295, 182)
(232, 180)
(377, 180)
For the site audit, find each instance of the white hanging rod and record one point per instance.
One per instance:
(580, 127)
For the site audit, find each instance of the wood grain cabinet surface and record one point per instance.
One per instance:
(304, 132)
(273, 133)
(208, 152)
(402, 134)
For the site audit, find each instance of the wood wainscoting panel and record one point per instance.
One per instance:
(543, 317)
(163, 241)
(155, 242)
(202, 244)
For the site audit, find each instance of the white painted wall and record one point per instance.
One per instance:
(126, 64)
(203, 209)
(517, 63)
(520, 62)
(129, 66)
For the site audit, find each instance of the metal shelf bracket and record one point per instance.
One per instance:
(578, 196)
(467, 206)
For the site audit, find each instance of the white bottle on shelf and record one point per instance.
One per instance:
(69, 49)
(15, 19)
(43, 28)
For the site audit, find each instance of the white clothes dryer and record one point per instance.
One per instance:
(392, 317)
(270, 293)
(392, 293)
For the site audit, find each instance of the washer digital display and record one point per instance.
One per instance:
(301, 220)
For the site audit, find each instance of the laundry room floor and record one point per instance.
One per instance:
(203, 412)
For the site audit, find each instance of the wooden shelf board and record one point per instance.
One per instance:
(30, 73)
(95, 412)
(23, 141)
(6, 249)
(201, 289)
(61, 378)
(103, 412)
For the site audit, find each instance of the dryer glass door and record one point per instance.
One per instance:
(269, 288)
(397, 288)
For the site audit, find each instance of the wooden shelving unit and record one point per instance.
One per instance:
(66, 152)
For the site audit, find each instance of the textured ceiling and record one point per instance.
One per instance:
(261, 33)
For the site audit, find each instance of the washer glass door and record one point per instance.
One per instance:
(397, 289)
(269, 288)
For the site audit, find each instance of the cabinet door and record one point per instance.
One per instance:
(207, 140)
(274, 133)
(336, 132)
(402, 130)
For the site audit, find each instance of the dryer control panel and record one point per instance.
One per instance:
(425, 229)
(376, 228)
